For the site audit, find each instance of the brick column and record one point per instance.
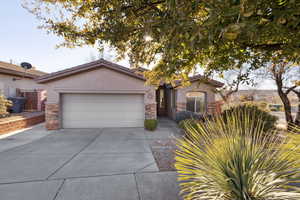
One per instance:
(150, 111)
(52, 117)
(180, 106)
(41, 95)
(211, 109)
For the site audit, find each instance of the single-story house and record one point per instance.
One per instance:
(14, 80)
(104, 94)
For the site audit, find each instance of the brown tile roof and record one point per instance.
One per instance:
(208, 80)
(200, 77)
(15, 70)
(89, 66)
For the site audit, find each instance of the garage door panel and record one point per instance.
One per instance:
(102, 110)
(90, 98)
(95, 117)
(108, 108)
(74, 124)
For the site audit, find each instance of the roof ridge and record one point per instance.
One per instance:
(86, 66)
(66, 70)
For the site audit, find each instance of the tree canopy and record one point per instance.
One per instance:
(179, 35)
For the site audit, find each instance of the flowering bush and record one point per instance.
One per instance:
(4, 104)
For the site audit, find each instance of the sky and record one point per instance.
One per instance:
(22, 41)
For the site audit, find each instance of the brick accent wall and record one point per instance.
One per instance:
(42, 97)
(210, 108)
(25, 122)
(180, 106)
(150, 111)
(215, 107)
(52, 117)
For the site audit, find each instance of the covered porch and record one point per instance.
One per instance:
(171, 100)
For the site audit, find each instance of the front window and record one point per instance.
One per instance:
(196, 102)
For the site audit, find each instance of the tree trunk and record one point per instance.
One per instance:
(283, 96)
(287, 107)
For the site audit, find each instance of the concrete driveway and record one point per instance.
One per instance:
(84, 164)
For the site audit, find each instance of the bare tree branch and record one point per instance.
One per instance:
(289, 89)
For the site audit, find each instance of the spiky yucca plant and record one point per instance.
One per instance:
(236, 160)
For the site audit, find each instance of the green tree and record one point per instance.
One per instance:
(233, 79)
(179, 35)
(286, 76)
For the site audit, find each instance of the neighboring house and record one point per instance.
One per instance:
(14, 81)
(104, 94)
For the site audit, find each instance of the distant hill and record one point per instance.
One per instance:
(269, 96)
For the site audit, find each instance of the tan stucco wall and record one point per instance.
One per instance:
(8, 85)
(101, 80)
(202, 87)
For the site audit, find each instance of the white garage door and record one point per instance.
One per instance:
(102, 110)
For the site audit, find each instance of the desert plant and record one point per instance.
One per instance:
(269, 121)
(192, 122)
(4, 104)
(263, 106)
(150, 124)
(183, 115)
(236, 160)
(294, 136)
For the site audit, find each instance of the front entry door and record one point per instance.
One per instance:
(161, 102)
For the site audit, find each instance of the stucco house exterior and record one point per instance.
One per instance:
(104, 94)
(14, 80)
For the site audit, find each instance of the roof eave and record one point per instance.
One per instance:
(212, 82)
(82, 68)
(16, 73)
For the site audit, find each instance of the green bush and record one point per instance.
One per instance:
(150, 124)
(255, 114)
(260, 104)
(263, 106)
(221, 160)
(183, 115)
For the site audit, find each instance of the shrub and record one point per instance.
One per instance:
(183, 115)
(4, 104)
(255, 114)
(150, 124)
(263, 106)
(222, 160)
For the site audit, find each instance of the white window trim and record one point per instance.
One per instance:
(205, 101)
